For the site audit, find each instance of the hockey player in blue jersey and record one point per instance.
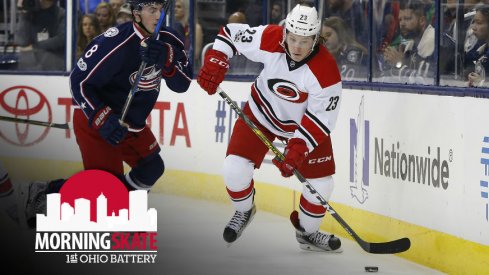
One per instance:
(100, 84)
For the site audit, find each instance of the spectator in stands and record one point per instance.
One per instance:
(352, 12)
(116, 5)
(182, 13)
(105, 16)
(41, 36)
(237, 18)
(480, 56)
(413, 60)
(239, 64)
(386, 22)
(124, 15)
(88, 29)
(277, 13)
(253, 12)
(351, 56)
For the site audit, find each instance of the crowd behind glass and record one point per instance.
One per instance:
(427, 42)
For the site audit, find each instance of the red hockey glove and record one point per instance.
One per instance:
(212, 73)
(108, 126)
(295, 154)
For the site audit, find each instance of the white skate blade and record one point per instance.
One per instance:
(310, 247)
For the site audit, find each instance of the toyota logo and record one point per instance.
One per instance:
(28, 103)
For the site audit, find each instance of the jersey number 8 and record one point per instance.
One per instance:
(91, 51)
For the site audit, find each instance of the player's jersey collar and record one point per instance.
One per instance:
(294, 65)
(139, 32)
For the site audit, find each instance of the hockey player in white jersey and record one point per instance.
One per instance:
(295, 98)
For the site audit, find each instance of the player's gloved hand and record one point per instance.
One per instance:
(159, 53)
(212, 73)
(295, 153)
(108, 126)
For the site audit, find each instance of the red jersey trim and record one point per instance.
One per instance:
(324, 68)
(271, 38)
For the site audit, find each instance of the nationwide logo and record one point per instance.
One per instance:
(483, 182)
(359, 155)
(391, 161)
(94, 219)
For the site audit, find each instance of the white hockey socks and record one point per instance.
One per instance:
(238, 176)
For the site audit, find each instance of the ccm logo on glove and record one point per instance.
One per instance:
(212, 73)
(219, 62)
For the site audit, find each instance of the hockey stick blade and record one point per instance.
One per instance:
(36, 122)
(390, 247)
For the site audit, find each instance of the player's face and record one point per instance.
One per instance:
(299, 46)
(149, 15)
(480, 26)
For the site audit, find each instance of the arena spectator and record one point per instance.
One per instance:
(124, 15)
(351, 56)
(88, 29)
(105, 16)
(41, 36)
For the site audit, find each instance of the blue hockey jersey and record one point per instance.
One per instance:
(106, 71)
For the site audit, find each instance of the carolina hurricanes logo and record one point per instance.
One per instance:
(150, 79)
(286, 90)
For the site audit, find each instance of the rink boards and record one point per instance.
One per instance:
(407, 165)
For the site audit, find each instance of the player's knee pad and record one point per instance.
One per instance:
(238, 172)
(324, 186)
(145, 174)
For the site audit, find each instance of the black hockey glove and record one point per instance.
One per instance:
(108, 126)
(159, 53)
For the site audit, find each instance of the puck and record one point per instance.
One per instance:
(371, 268)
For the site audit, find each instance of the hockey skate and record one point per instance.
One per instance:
(238, 223)
(34, 201)
(316, 241)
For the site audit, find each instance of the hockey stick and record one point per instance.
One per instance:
(391, 247)
(36, 122)
(139, 74)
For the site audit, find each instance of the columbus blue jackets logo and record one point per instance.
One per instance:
(150, 80)
(111, 32)
(286, 90)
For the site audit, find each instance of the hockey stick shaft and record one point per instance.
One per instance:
(36, 122)
(391, 247)
(139, 74)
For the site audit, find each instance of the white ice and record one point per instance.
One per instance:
(190, 243)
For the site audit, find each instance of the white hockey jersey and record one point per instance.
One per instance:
(291, 99)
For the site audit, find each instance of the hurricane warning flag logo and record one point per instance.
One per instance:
(94, 212)
(286, 90)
